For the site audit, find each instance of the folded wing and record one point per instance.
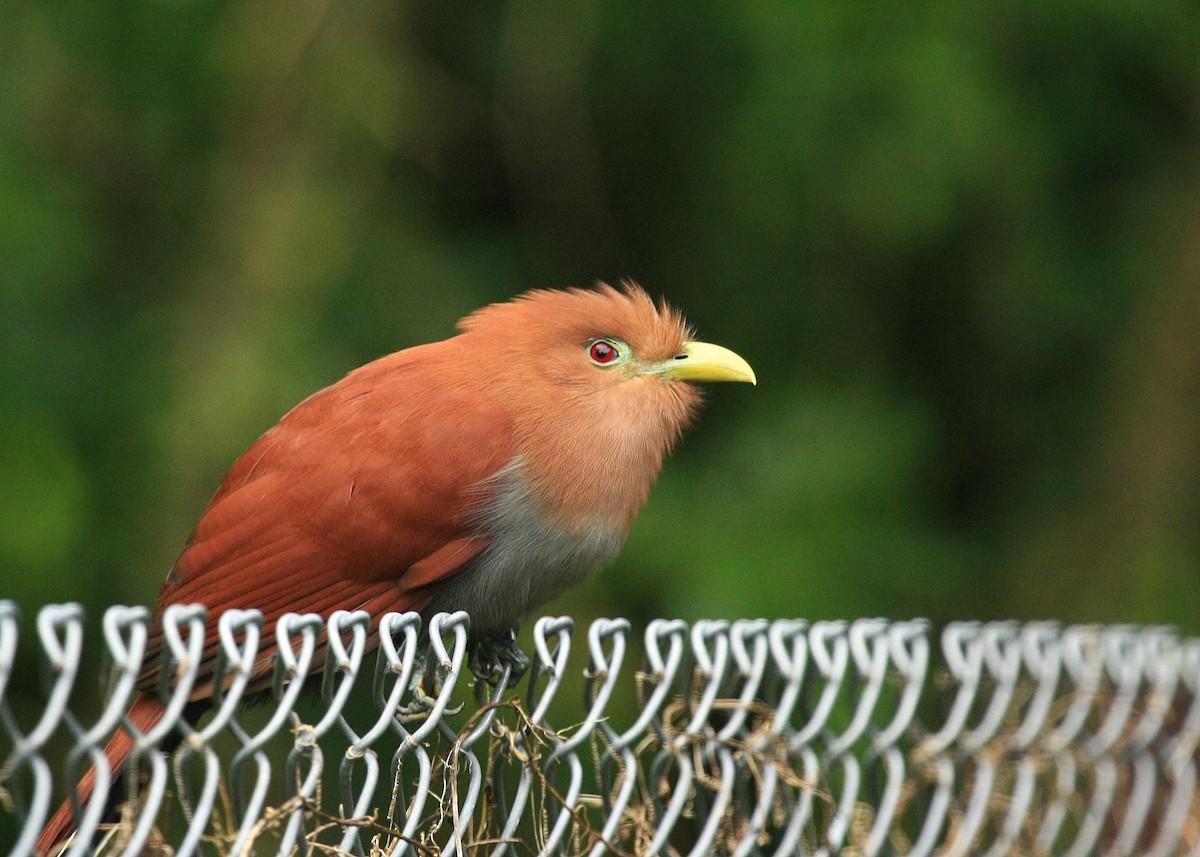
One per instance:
(360, 498)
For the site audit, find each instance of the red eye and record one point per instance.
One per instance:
(602, 352)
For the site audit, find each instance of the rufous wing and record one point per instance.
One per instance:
(360, 498)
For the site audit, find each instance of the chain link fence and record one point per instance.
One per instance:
(744, 738)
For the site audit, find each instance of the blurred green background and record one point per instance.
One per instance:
(959, 243)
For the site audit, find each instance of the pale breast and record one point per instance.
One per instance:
(529, 559)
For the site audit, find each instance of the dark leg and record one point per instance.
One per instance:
(496, 657)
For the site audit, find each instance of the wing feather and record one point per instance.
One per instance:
(360, 497)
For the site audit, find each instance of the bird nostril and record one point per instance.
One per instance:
(681, 357)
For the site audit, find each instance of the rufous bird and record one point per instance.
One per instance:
(488, 473)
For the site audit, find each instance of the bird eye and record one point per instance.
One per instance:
(602, 352)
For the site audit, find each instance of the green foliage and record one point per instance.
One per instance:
(959, 245)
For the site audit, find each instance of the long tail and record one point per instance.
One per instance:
(145, 713)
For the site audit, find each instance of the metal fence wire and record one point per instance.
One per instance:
(747, 738)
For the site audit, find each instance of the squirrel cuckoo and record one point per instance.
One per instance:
(488, 472)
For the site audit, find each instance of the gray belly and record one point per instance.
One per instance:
(527, 563)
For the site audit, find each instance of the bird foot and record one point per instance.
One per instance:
(496, 657)
(421, 702)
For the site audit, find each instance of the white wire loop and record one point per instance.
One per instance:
(744, 738)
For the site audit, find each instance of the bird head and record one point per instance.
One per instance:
(601, 382)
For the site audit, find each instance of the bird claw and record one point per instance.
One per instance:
(497, 657)
(421, 702)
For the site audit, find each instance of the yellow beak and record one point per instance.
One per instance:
(703, 361)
